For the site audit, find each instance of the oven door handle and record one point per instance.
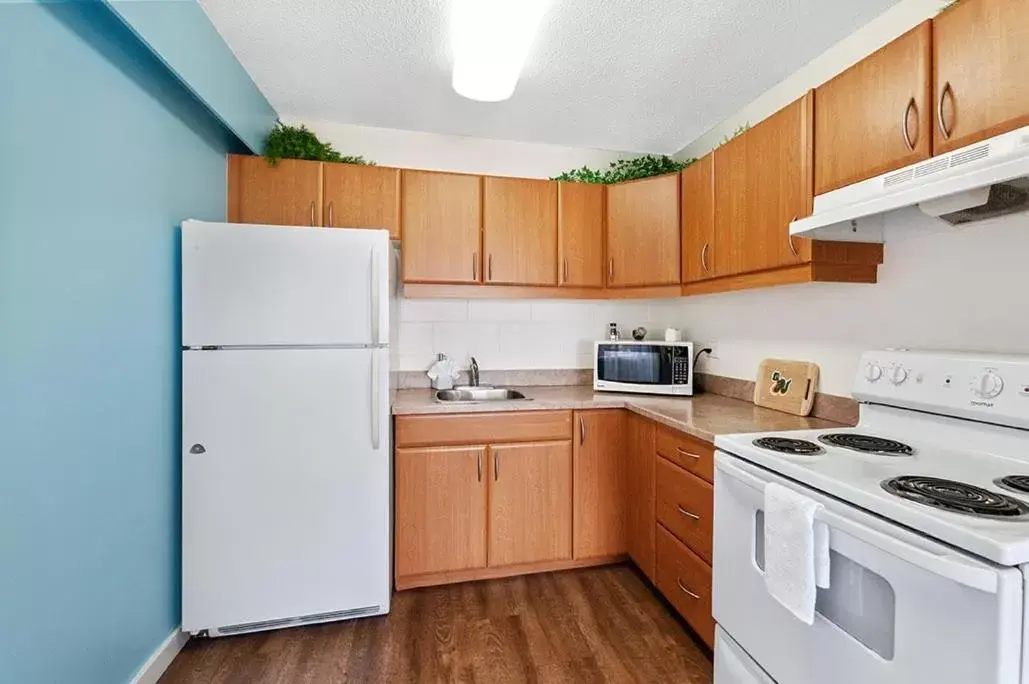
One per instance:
(952, 567)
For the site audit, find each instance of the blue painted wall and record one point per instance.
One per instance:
(102, 153)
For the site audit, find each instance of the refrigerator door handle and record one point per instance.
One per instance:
(376, 418)
(376, 297)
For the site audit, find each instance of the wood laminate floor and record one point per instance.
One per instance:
(594, 625)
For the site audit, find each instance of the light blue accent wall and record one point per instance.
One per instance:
(181, 35)
(102, 154)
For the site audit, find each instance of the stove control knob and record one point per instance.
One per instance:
(898, 374)
(987, 385)
(873, 371)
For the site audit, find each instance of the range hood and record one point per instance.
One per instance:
(981, 181)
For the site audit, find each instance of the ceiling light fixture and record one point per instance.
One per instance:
(491, 40)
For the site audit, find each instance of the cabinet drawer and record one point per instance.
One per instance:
(685, 505)
(483, 428)
(690, 453)
(685, 580)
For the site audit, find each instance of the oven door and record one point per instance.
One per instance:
(901, 607)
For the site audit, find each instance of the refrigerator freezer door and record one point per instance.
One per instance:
(285, 485)
(248, 285)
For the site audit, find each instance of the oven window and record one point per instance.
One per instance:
(858, 601)
(635, 364)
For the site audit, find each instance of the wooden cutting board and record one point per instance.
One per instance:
(787, 386)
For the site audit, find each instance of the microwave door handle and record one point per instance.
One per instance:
(949, 566)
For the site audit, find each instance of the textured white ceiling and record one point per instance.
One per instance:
(646, 76)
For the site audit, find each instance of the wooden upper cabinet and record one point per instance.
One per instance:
(643, 232)
(530, 503)
(640, 437)
(877, 115)
(980, 62)
(287, 194)
(600, 464)
(698, 220)
(580, 234)
(355, 196)
(440, 496)
(441, 215)
(520, 231)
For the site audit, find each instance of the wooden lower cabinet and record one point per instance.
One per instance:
(640, 481)
(440, 522)
(530, 503)
(685, 580)
(599, 465)
(685, 506)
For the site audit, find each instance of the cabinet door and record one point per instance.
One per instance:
(530, 503)
(642, 520)
(520, 231)
(580, 234)
(877, 115)
(287, 194)
(600, 463)
(980, 62)
(643, 232)
(361, 197)
(729, 164)
(441, 215)
(440, 498)
(698, 221)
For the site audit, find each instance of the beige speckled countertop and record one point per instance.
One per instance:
(702, 416)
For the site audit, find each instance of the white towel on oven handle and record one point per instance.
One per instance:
(796, 563)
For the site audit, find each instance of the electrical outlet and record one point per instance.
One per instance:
(713, 354)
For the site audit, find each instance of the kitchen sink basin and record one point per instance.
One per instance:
(475, 394)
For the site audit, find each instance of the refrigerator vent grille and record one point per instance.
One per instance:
(297, 621)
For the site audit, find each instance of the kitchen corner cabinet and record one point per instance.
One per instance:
(642, 458)
(287, 194)
(876, 116)
(519, 231)
(599, 467)
(643, 232)
(980, 61)
(441, 215)
(441, 526)
(580, 234)
(698, 220)
(355, 196)
(530, 497)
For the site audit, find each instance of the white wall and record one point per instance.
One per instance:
(900, 18)
(414, 149)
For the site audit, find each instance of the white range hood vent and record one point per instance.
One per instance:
(974, 183)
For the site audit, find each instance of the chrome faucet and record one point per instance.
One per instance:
(473, 373)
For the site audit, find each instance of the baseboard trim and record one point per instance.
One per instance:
(160, 659)
(455, 576)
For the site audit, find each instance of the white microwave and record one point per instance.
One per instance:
(648, 367)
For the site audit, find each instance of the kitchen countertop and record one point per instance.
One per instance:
(703, 416)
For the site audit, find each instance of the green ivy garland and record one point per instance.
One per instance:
(296, 142)
(626, 170)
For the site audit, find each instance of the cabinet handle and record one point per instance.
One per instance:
(489, 273)
(691, 516)
(683, 452)
(565, 271)
(611, 270)
(475, 266)
(312, 212)
(478, 463)
(686, 591)
(330, 214)
(793, 247)
(496, 466)
(904, 126)
(939, 110)
(582, 431)
(703, 257)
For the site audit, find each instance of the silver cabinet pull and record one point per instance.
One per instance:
(197, 449)
(312, 212)
(478, 464)
(703, 257)
(611, 270)
(565, 271)
(683, 452)
(582, 431)
(939, 110)
(904, 126)
(331, 222)
(691, 516)
(475, 266)
(496, 466)
(683, 589)
(489, 266)
(793, 247)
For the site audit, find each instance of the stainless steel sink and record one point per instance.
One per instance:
(475, 394)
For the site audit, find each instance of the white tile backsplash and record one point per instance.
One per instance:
(518, 334)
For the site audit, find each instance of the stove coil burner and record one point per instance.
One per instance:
(867, 444)
(1014, 483)
(790, 447)
(956, 497)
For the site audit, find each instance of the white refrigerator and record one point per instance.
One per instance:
(286, 460)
